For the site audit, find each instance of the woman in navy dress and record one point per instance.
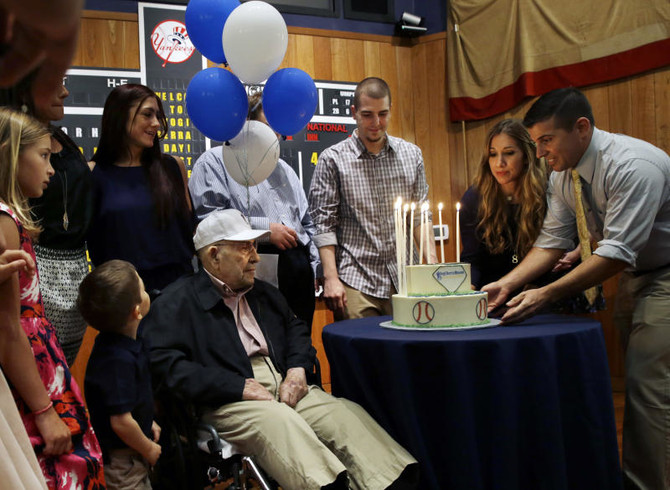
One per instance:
(142, 209)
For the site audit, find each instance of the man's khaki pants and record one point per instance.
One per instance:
(361, 305)
(646, 337)
(309, 446)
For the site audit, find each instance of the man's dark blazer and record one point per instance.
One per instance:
(196, 351)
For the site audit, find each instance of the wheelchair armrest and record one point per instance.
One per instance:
(314, 377)
(210, 442)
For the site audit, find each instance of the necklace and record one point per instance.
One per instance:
(63, 183)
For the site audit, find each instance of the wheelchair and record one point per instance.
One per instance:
(195, 456)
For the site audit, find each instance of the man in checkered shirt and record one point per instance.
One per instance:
(351, 199)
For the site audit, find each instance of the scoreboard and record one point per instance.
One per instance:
(88, 89)
(331, 123)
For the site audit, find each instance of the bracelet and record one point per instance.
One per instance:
(43, 410)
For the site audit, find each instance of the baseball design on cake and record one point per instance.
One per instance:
(432, 296)
(444, 291)
(423, 312)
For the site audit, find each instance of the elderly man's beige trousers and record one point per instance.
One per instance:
(309, 446)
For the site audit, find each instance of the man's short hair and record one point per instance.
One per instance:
(373, 87)
(108, 295)
(255, 106)
(565, 105)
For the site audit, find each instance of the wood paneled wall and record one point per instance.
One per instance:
(416, 72)
(108, 40)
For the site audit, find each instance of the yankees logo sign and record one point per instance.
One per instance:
(171, 43)
(423, 312)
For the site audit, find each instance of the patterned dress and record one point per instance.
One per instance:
(82, 468)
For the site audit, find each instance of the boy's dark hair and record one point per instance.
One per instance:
(108, 295)
(565, 105)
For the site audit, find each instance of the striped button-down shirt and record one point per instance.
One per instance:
(351, 201)
(278, 199)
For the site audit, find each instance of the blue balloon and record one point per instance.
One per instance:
(289, 100)
(217, 103)
(204, 23)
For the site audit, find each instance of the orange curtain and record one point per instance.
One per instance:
(501, 51)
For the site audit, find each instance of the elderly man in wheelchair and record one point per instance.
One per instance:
(230, 345)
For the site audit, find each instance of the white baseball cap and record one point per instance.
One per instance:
(225, 224)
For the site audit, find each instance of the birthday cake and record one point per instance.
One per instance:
(439, 296)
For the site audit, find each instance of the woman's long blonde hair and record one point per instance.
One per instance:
(17, 131)
(494, 208)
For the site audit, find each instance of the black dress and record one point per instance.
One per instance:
(64, 212)
(485, 266)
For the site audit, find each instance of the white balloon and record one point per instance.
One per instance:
(254, 41)
(252, 155)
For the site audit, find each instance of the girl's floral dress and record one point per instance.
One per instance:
(82, 468)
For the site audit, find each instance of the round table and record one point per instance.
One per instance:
(527, 406)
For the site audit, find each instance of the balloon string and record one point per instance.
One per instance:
(245, 170)
(276, 142)
(250, 173)
(243, 163)
(242, 160)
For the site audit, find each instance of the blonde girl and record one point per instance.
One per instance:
(48, 399)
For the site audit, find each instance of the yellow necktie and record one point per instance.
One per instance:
(584, 238)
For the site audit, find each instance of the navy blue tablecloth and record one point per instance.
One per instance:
(527, 406)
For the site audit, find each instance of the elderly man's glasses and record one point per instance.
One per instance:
(246, 248)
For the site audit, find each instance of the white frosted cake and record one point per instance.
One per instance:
(439, 296)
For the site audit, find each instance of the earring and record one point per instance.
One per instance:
(24, 108)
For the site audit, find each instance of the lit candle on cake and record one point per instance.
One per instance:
(429, 234)
(397, 216)
(403, 282)
(458, 232)
(411, 234)
(424, 222)
(439, 210)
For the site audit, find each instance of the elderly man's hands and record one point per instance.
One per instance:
(291, 391)
(253, 390)
(294, 387)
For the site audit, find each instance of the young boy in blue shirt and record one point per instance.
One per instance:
(118, 381)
